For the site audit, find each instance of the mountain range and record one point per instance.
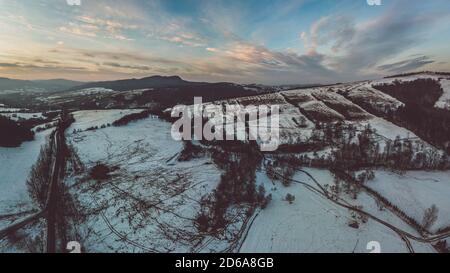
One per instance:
(147, 82)
(42, 85)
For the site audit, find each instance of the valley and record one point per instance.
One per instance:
(352, 167)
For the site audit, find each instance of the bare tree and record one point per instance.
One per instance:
(430, 216)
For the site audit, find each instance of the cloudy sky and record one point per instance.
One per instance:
(250, 41)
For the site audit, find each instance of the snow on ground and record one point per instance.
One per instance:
(23, 116)
(92, 118)
(318, 107)
(341, 104)
(10, 110)
(377, 99)
(151, 200)
(15, 165)
(314, 224)
(304, 99)
(416, 191)
(82, 92)
(444, 100)
(96, 145)
(294, 126)
(92, 91)
(388, 129)
(27, 239)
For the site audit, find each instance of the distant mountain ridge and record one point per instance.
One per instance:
(143, 83)
(44, 85)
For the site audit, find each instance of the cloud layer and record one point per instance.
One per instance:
(279, 42)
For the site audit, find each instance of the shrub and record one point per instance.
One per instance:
(100, 172)
(261, 193)
(202, 222)
(263, 200)
(266, 201)
(353, 224)
(290, 198)
(367, 175)
(442, 247)
(190, 151)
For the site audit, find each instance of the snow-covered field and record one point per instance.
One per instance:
(389, 130)
(97, 118)
(82, 92)
(416, 191)
(314, 224)
(376, 98)
(22, 116)
(151, 200)
(4, 109)
(15, 165)
(91, 91)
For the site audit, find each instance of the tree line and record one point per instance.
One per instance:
(13, 133)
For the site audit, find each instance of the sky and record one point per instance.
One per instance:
(243, 41)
